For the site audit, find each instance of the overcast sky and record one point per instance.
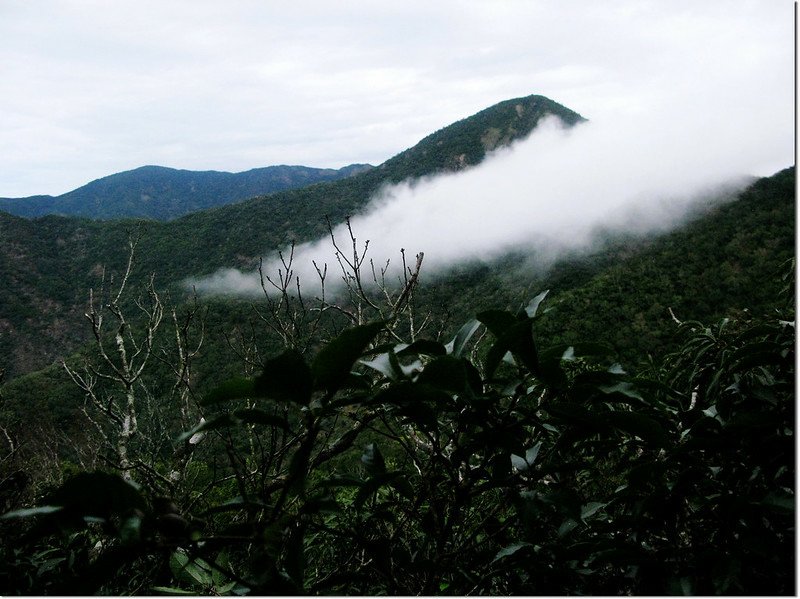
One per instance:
(93, 87)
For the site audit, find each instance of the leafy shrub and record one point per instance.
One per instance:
(459, 468)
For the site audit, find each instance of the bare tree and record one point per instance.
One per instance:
(117, 399)
(387, 301)
(367, 293)
(289, 314)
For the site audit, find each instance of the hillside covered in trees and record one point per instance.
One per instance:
(160, 193)
(620, 422)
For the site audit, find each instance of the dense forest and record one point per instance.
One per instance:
(620, 422)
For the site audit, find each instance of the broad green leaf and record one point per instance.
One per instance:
(172, 591)
(222, 561)
(591, 508)
(510, 550)
(412, 399)
(446, 373)
(235, 388)
(519, 463)
(191, 571)
(286, 378)
(623, 388)
(533, 453)
(177, 561)
(780, 502)
(517, 339)
(756, 359)
(235, 418)
(32, 511)
(130, 531)
(387, 364)
(533, 306)
(680, 586)
(200, 573)
(226, 588)
(214, 423)
(373, 460)
(98, 494)
(50, 565)
(567, 527)
(421, 414)
(522, 464)
(497, 321)
(459, 342)
(333, 363)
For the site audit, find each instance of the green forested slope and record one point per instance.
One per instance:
(729, 259)
(367, 467)
(732, 259)
(157, 192)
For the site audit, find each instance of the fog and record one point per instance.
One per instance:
(552, 192)
(681, 98)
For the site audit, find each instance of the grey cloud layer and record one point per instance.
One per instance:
(91, 87)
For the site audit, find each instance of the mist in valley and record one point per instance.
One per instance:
(560, 191)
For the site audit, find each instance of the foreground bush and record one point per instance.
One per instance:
(465, 468)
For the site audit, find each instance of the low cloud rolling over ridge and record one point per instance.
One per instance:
(640, 172)
(713, 105)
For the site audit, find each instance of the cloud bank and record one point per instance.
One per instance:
(550, 193)
(679, 105)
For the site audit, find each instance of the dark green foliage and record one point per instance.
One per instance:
(558, 474)
(160, 193)
(725, 262)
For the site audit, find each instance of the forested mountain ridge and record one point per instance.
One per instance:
(161, 193)
(269, 223)
(49, 263)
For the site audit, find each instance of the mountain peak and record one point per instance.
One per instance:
(467, 141)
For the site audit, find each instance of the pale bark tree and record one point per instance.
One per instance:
(118, 401)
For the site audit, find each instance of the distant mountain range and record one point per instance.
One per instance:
(161, 193)
(48, 264)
